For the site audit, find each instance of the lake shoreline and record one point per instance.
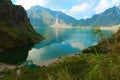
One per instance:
(5, 66)
(52, 61)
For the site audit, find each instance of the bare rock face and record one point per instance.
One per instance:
(15, 28)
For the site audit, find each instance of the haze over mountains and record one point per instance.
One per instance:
(43, 17)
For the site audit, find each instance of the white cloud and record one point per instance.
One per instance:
(115, 1)
(77, 9)
(80, 8)
(29, 3)
(87, 16)
(105, 4)
(102, 6)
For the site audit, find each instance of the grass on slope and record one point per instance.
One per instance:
(80, 67)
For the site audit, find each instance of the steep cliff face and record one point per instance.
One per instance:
(15, 28)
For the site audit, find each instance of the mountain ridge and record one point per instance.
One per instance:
(109, 17)
(46, 17)
(40, 16)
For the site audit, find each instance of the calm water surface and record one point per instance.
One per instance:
(58, 42)
(62, 42)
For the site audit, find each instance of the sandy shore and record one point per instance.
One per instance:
(49, 62)
(6, 66)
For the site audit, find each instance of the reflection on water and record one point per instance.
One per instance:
(69, 41)
(15, 56)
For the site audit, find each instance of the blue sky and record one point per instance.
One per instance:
(75, 8)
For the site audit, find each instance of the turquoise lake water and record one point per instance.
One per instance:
(59, 42)
(62, 42)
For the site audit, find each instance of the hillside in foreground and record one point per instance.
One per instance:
(90, 66)
(80, 67)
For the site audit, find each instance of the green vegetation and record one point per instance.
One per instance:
(105, 45)
(15, 28)
(79, 67)
(95, 66)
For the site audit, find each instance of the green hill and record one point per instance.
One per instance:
(15, 28)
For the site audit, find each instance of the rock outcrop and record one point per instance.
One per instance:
(15, 28)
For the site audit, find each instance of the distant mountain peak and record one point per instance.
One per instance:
(109, 17)
(38, 7)
(41, 17)
(44, 17)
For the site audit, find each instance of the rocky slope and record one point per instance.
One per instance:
(15, 28)
(108, 18)
(42, 17)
